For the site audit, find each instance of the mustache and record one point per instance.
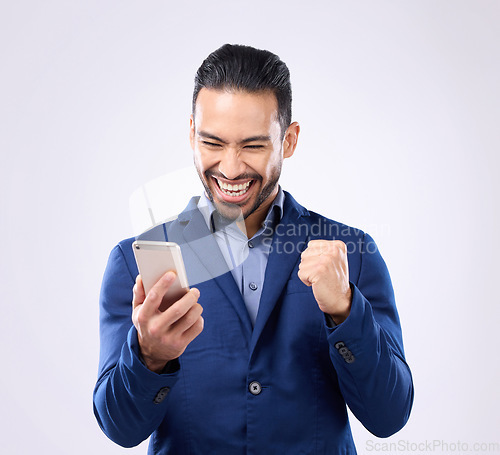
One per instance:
(244, 176)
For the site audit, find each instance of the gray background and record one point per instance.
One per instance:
(399, 107)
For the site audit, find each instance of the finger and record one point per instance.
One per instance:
(191, 333)
(331, 248)
(189, 319)
(156, 293)
(309, 263)
(340, 245)
(312, 269)
(318, 243)
(138, 291)
(304, 277)
(315, 248)
(175, 312)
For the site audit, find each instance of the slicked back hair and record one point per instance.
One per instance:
(237, 67)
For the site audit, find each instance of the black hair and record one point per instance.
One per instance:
(237, 67)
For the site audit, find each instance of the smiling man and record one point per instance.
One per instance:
(299, 318)
(239, 147)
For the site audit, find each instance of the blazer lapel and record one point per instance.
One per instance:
(289, 240)
(204, 261)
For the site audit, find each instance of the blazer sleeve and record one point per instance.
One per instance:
(129, 400)
(367, 350)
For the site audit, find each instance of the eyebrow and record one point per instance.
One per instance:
(244, 141)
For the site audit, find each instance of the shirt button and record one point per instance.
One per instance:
(253, 286)
(255, 388)
(250, 245)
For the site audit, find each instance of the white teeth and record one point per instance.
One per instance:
(234, 190)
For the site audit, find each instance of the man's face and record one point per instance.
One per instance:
(238, 151)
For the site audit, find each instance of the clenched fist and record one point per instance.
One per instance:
(323, 265)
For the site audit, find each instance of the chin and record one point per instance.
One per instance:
(229, 211)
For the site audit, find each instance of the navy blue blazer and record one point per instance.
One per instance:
(280, 387)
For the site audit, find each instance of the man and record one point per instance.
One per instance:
(304, 325)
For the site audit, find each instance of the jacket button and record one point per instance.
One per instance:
(160, 396)
(253, 286)
(255, 388)
(345, 352)
(339, 344)
(349, 359)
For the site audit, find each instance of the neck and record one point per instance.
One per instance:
(254, 221)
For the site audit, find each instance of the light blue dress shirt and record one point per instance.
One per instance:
(246, 258)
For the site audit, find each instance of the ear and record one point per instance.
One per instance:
(191, 131)
(290, 139)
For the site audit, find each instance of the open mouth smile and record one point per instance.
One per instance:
(233, 192)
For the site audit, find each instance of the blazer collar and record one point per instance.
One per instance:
(289, 240)
(199, 242)
(290, 207)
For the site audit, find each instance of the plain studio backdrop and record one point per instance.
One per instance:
(399, 107)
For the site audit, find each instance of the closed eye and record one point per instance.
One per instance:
(211, 144)
(254, 146)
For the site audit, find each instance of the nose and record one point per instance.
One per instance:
(230, 165)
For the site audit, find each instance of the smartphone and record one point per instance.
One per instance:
(154, 259)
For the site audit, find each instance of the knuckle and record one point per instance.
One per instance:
(140, 317)
(200, 324)
(193, 316)
(187, 320)
(334, 252)
(190, 298)
(195, 329)
(154, 329)
(176, 311)
(340, 245)
(199, 309)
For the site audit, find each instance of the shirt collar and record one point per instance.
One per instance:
(273, 217)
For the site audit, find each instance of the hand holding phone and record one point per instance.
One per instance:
(164, 335)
